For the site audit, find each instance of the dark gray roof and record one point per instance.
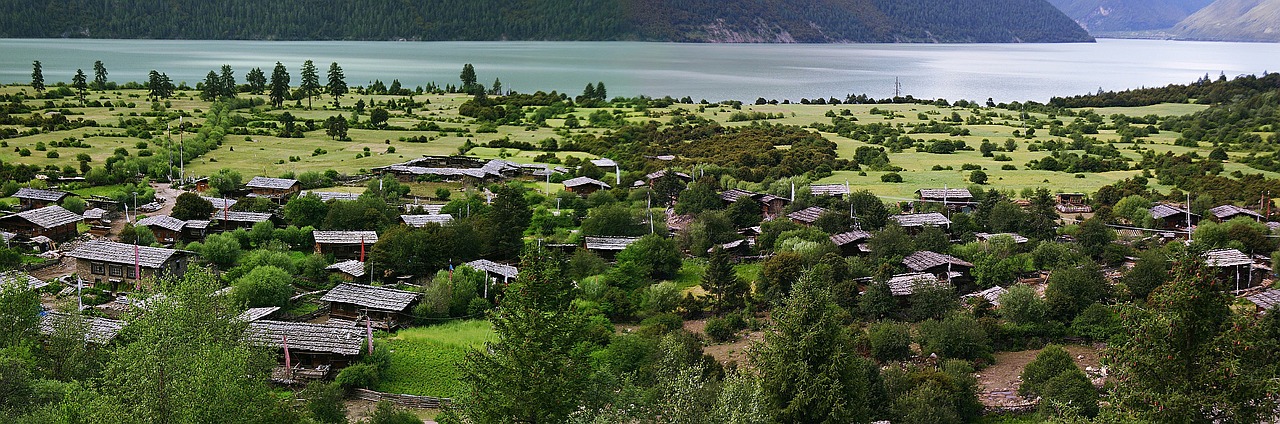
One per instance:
(345, 237)
(267, 182)
(987, 236)
(580, 181)
(945, 193)
(609, 243)
(849, 237)
(602, 162)
(95, 213)
(235, 216)
(381, 298)
(332, 195)
(1162, 211)
(492, 267)
(992, 295)
(907, 284)
(38, 194)
(120, 253)
(807, 215)
(8, 278)
(422, 220)
(97, 330)
(924, 259)
(1266, 300)
(219, 203)
(829, 189)
(48, 217)
(1226, 257)
(1225, 211)
(662, 173)
(733, 194)
(351, 267)
(163, 221)
(255, 314)
(323, 338)
(197, 224)
(921, 219)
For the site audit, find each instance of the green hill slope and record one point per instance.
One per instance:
(808, 21)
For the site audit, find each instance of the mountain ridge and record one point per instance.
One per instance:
(1233, 20)
(758, 21)
(1104, 16)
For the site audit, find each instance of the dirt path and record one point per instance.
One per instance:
(998, 384)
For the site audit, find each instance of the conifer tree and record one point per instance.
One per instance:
(310, 84)
(99, 75)
(37, 77)
(337, 83)
(80, 84)
(279, 85)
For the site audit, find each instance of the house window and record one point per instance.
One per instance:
(131, 272)
(115, 270)
(97, 268)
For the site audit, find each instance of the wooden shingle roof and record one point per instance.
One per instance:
(237, 216)
(95, 213)
(13, 277)
(829, 189)
(604, 162)
(351, 267)
(807, 215)
(992, 295)
(255, 314)
(850, 237)
(1226, 211)
(42, 195)
(1266, 300)
(97, 330)
(921, 219)
(163, 221)
(924, 259)
(273, 183)
(374, 297)
(302, 336)
(988, 236)
(907, 284)
(47, 217)
(662, 173)
(1162, 211)
(1226, 257)
(506, 271)
(944, 193)
(609, 243)
(422, 220)
(581, 181)
(345, 237)
(733, 194)
(220, 203)
(120, 253)
(326, 196)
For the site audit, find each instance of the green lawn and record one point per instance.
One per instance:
(424, 359)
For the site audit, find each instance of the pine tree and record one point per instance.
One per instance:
(509, 218)
(537, 371)
(601, 94)
(727, 290)
(79, 83)
(227, 83)
(37, 77)
(337, 83)
(279, 85)
(154, 85)
(99, 75)
(468, 77)
(210, 90)
(589, 93)
(310, 84)
(257, 81)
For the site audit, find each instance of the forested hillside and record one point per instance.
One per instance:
(1128, 15)
(648, 20)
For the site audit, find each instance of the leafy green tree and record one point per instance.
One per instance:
(19, 312)
(324, 402)
(1051, 361)
(537, 370)
(388, 413)
(745, 212)
(868, 210)
(741, 401)
(1021, 305)
(37, 77)
(890, 341)
(335, 127)
(226, 180)
(378, 117)
(1072, 289)
(257, 81)
(1069, 394)
(698, 197)
(891, 244)
(279, 85)
(75, 205)
(186, 360)
(337, 83)
(306, 211)
(807, 364)
(264, 286)
(653, 255)
(1184, 357)
(613, 220)
(777, 274)
(956, 336)
(509, 218)
(1150, 271)
(191, 206)
(878, 302)
(728, 292)
(932, 301)
(978, 177)
(222, 250)
(601, 93)
(310, 85)
(99, 75)
(79, 83)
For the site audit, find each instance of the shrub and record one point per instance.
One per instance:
(1069, 393)
(1049, 363)
(957, 336)
(890, 341)
(264, 286)
(1021, 305)
(1097, 322)
(362, 375)
(891, 177)
(720, 330)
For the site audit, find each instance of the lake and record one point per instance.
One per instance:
(1005, 72)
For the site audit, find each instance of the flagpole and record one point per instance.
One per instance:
(288, 363)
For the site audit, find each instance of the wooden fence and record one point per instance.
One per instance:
(408, 401)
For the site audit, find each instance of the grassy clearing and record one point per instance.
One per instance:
(424, 359)
(690, 273)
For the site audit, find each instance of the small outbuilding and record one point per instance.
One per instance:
(52, 221)
(1226, 213)
(32, 198)
(277, 189)
(807, 216)
(916, 222)
(583, 186)
(344, 244)
(852, 243)
(315, 351)
(387, 307)
(117, 264)
(944, 266)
